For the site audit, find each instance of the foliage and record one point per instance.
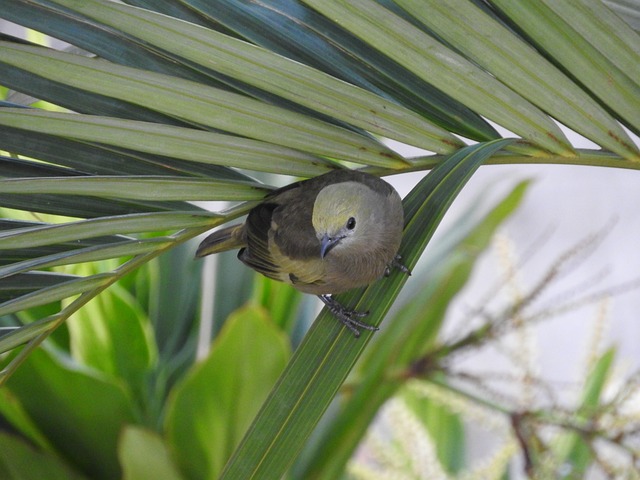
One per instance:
(155, 107)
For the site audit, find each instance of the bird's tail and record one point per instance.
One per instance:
(222, 240)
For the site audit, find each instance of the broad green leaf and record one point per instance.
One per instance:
(143, 454)
(183, 143)
(137, 187)
(550, 25)
(445, 69)
(280, 300)
(407, 338)
(21, 461)
(273, 73)
(329, 351)
(13, 413)
(79, 411)
(212, 407)
(522, 68)
(112, 334)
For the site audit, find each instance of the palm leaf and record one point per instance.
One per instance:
(188, 101)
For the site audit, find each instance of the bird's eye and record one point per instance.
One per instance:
(351, 223)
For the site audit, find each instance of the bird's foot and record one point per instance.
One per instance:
(396, 263)
(349, 318)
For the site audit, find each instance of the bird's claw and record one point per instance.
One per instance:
(348, 317)
(396, 263)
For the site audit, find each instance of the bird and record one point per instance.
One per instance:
(325, 235)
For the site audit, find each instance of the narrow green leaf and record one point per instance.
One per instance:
(518, 65)
(606, 31)
(329, 351)
(138, 187)
(15, 286)
(627, 10)
(85, 428)
(573, 450)
(103, 160)
(445, 428)
(445, 69)
(299, 33)
(211, 409)
(405, 339)
(551, 27)
(199, 104)
(183, 143)
(273, 73)
(77, 29)
(54, 293)
(143, 454)
(24, 334)
(97, 227)
(86, 254)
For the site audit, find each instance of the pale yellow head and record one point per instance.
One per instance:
(350, 218)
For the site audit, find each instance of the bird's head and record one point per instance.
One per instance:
(344, 215)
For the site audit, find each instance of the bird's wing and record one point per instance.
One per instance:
(269, 228)
(256, 255)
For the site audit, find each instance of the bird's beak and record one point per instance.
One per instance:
(326, 244)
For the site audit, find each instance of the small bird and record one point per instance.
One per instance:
(326, 235)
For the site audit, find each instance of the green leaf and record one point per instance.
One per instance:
(80, 412)
(329, 351)
(445, 428)
(551, 26)
(143, 454)
(299, 33)
(517, 64)
(572, 449)
(211, 409)
(138, 187)
(173, 301)
(406, 339)
(87, 254)
(54, 293)
(445, 69)
(23, 335)
(20, 461)
(273, 73)
(102, 160)
(112, 334)
(280, 300)
(14, 413)
(199, 104)
(97, 227)
(183, 143)
(16, 285)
